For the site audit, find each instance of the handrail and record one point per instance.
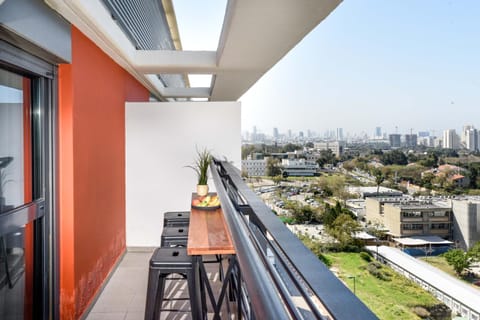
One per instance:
(305, 274)
(267, 305)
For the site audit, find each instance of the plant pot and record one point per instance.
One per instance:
(202, 189)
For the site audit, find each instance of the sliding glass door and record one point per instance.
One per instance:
(26, 232)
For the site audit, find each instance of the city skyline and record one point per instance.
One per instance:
(413, 65)
(346, 133)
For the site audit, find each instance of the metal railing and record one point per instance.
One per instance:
(279, 277)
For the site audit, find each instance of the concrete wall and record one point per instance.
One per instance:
(161, 139)
(466, 223)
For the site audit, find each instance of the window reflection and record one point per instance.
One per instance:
(12, 143)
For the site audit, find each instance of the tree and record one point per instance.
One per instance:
(273, 167)
(394, 157)
(379, 178)
(458, 259)
(343, 229)
(474, 252)
(326, 157)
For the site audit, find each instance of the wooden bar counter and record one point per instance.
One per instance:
(208, 233)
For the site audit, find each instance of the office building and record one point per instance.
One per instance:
(410, 140)
(395, 140)
(335, 146)
(275, 133)
(340, 134)
(405, 217)
(299, 168)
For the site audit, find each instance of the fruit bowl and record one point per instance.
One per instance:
(206, 203)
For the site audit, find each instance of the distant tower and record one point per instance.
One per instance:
(254, 134)
(340, 134)
(394, 140)
(289, 133)
(300, 134)
(275, 133)
(378, 133)
(450, 139)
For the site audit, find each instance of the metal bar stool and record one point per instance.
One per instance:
(164, 262)
(176, 219)
(174, 236)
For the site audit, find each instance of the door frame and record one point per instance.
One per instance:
(43, 210)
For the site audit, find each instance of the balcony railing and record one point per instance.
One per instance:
(278, 276)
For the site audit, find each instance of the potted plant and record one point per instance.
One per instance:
(201, 164)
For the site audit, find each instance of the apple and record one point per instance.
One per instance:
(196, 202)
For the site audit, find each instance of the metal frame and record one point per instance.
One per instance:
(44, 158)
(275, 265)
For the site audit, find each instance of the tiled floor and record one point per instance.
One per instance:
(124, 296)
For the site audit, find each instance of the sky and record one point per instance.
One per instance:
(404, 65)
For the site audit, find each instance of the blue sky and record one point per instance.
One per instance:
(411, 64)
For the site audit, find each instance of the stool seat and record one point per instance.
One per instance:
(165, 261)
(170, 257)
(174, 236)
(176, 218)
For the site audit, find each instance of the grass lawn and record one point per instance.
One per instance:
(387, 299)
(441, 263)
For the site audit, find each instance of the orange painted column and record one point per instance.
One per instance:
(93, 90)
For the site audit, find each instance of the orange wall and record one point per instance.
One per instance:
(93, 90)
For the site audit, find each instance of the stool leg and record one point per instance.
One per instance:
(195, 292)
(152, 290)
(160, 295)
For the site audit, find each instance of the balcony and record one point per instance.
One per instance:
(280, 278)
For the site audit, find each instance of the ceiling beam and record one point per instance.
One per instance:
(186, 92)
(172, 61)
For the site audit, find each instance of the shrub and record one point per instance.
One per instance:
(365, 256)
(377, 270)
(324, 259)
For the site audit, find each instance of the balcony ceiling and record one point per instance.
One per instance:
(255, 36)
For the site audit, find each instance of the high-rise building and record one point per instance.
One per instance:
(394, 140)
(275, 133)
(300, 134)
(378, 132)
(340, 134)
(471, 139)
(450, 139)
(410, 140)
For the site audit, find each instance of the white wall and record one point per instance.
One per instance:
(161, 139)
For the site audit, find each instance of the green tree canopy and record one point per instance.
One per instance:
(458, 259)
(273, 167)
(343, 229)
(394, 157)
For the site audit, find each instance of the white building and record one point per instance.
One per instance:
(335, 146)
(450, 139)
(254, 168)
(299, 167)
(471, 139)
